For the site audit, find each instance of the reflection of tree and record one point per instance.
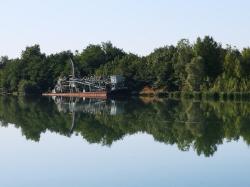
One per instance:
(198, 125)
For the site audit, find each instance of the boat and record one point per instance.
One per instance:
(90, 87)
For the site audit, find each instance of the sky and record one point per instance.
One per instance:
(137, 26)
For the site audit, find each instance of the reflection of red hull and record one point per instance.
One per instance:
(101, 94)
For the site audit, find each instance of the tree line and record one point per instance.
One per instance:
(200, 66)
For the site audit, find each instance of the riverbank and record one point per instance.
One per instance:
(200, 95)
(237, 96)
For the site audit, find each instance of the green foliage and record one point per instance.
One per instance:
(94, 56)
(201, 66)
(160, 67)
(183, 56)
(246, 63)
(3, 61)
(90, 59)
(195, 74)
(27, 87)
(212, 54)
(232, 63)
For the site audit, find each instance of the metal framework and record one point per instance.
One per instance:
(84, 84)
(88, 84)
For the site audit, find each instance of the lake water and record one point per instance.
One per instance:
(133, 143)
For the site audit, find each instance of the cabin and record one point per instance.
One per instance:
(117, 82)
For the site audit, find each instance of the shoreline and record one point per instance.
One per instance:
(171, 95)
(200, 95)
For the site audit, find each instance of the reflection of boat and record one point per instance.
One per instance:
(91, 87)
(91, 106)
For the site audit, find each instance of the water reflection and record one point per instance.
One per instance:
(91, 106)
(88, 106)
(201, 126)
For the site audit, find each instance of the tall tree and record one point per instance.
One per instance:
(3, 61)
(246, 62)
(91, 58)
(232, 63)
(195, 74)
(111, 52)
(183, 56)
(160, 67)
(212, 54)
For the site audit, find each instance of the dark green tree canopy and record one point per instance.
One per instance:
(212, 54)
(204, 65)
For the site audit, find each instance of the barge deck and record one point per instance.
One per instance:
(100, 95)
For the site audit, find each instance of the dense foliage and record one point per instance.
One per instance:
(202, 66)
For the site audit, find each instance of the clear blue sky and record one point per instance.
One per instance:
(137, 26)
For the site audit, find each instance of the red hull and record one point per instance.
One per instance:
(101, 95)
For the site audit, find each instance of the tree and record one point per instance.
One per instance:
(246, 62)
(183, 56)
(35, 68)
(11, 75)
(232, 63)
(58, 65)
(90, 59)
(159, 68)
(111, 52)
(212, 54)
(171, 68)
(3, 61)
(195, 74)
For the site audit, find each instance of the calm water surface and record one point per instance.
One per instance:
(133, 143)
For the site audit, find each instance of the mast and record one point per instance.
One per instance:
(73, 68)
